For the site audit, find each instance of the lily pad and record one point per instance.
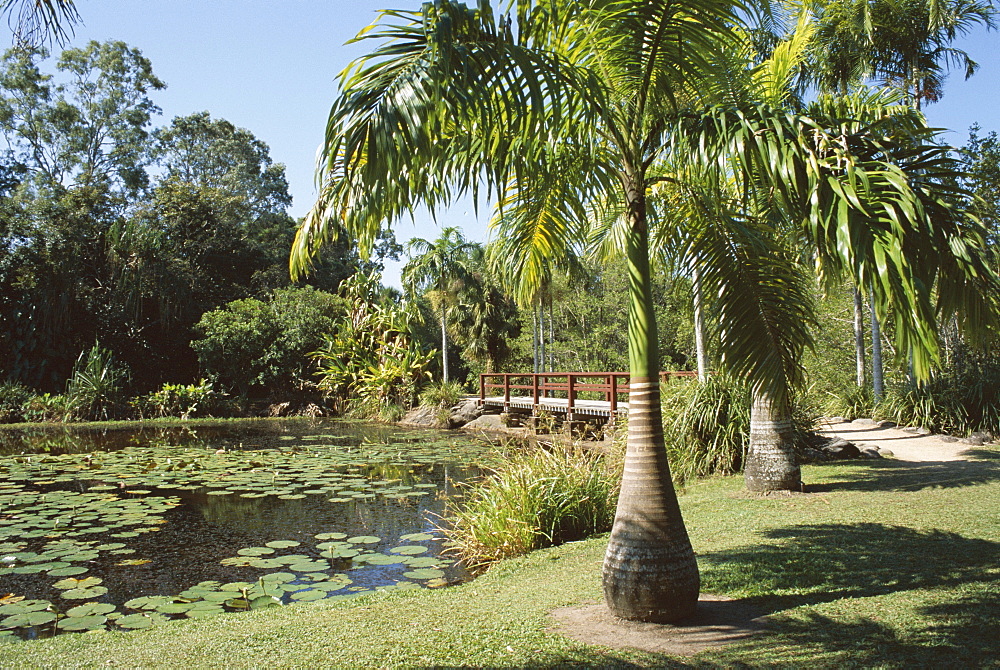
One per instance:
(90, 609)
(84, 594)
(28, 619)
(283, 544)
(330, 536)
(424, 573)
(92, 622)
(364, 539)
(135, 621)
(408, 550)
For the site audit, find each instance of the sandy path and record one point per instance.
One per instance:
(905, 445)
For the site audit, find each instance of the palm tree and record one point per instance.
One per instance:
(40, 21)
(439, 267)
(565, 109)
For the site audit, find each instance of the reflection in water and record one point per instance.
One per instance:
(239, 486)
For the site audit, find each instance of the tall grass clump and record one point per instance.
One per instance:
(706, 425)
(533, 499)
(962, 399)
(441, 394)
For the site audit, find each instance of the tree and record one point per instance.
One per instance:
(563, 111)
(440, 268)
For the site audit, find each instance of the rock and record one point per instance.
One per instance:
(464, 412)
(836, 419)
(836, 442)
(949, 438)
(986, 437)
(422, 417)
(841, 449)
(870, 453)
(973, 440)
(885, 453)
(487, 422)
(887, 424)
(864, 422)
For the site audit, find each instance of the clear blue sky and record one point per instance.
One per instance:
(271, 65)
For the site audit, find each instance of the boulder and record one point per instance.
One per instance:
(486, 422)
(840, 449)
(421, 417)
(464, 412)
(864, 422)
(868, 452)
(974, 440)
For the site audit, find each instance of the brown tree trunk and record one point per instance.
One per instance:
(771, 461)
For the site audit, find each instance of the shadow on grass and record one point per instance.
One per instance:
(941, 605)
(890, 475)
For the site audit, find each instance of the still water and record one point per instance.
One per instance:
(126, 528)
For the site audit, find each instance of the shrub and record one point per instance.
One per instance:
(962, 399)
(370, 362)
(48, 407)
(94, 390)
(441, 394)
(706, 426)
(13, 397)
(184, 401)
(533, 499)
(265, 344)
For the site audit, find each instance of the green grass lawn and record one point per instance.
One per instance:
(884, 564)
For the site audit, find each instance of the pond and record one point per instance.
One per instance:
(127, 528)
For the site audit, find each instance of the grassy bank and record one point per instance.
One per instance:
(885, 564)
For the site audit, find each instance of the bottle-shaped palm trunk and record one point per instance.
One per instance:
(650, 571)
(771, 461)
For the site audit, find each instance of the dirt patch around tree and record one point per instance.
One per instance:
(719, 621)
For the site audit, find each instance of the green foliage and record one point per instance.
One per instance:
(441, 394)
(257, 344)
(961, 399)
(94, 390)
(180, 400)
(48, 407)
(531, 499)
(707, 425)
(371, 363)
(13, 397)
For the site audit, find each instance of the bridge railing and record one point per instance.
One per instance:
(608, 386)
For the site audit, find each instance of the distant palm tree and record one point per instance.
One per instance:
(438, 268)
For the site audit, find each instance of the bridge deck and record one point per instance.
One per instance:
(557, 405)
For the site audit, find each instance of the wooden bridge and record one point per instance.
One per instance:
(573, 396)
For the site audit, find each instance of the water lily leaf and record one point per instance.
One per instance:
(84, 594)
(135, 621)
(261, 602)
(279, 577)
(90, 609)
(28, 619)
(24, 606)
(381, 559)
(364, 539)
(255, 551)
(235, 586)
(147, 602)
(417, 537)
(283, 544)
(10, 599)
(426, 561)
(308, 596)
(408, 550)
(330, 536)
(92, 622)
(74, 583)
(134, 561)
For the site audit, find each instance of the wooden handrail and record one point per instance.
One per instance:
(541, 384)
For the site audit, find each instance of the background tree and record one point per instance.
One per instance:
(440, 268)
